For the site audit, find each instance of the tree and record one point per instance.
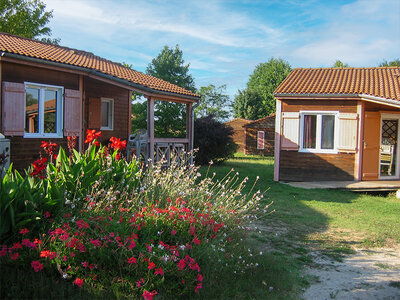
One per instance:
(393, 63)
(213, 139)
(26, 18)
(170, 66)
(248, 105)
(261, 86)
(214, 101)
(339, 64)
(139, 116)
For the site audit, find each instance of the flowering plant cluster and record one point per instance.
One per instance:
(142, 234)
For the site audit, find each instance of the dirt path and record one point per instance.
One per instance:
(368, 274)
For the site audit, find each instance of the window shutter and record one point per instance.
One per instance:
(290, 131)
(94, 113)
(260, 139)
(13, 114)
(348, 132)
(72, 113)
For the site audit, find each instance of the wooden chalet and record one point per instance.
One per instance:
(238, 132)
(259, 136)
(338, 124)
(50, 92)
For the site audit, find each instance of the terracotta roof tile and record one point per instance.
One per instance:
(383, 82)
(35, 49)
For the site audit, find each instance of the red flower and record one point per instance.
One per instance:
(78, 281)
(95, 243)
(37, 266)
(14, 256)
(92, 135)
(149, 295)
(173, 232)
(159, 271)
(132, 260)
(196, 241)
(199, 277)
(24, 231)
(151, 265)
(117, 144)
(38, 166)
(50, 148)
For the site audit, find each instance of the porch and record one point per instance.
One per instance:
(355, 186)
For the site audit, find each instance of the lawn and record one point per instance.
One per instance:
(360, 218)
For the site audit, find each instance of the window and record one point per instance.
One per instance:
(318, 132)
(107, 112)
(260, 139)
(43, 110)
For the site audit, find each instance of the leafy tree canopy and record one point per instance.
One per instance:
(139, 115)
(26, 18)
(248, 105)
(170, 66)
(393, 63)
(257, 100)
(214, 101)
(170, 118)
(339, 64)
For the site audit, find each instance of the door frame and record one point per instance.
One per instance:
(390, 116)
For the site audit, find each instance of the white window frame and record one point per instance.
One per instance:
(110, 114)
(319, 115)
(59, 111)
(263, 143)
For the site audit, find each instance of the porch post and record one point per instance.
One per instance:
(189, 129)
(277, 151)
(360, 143)
(81, 131)
(150, 127)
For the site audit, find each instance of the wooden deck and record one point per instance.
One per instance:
(357, 186)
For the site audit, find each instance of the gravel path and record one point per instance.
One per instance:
(368, 274)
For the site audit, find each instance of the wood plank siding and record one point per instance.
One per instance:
(97, 89)
(303, 166)
(265, 125)
(238, 132)
(300, 166)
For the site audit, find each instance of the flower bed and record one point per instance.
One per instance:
(115, 227)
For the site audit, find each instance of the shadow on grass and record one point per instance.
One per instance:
(284, 232)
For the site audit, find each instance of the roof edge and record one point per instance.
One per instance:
(100, 74)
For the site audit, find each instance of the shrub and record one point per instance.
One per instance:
(214, 140)
(160, 233)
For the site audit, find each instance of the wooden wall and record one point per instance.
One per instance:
(238, 134)
(97, 89)
(25, 150)
(300, 166)
(268, 126)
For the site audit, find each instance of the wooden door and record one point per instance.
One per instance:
(371, 141)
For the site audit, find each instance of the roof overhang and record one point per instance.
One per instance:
(368, 98)
(148, 92)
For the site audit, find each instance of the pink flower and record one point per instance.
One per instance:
(151, 265)
(132, 245)
(199, 277)
(181, 264)
(199, 286)
(78, 281)
(132, 260)
(95, 243)
(23, 231)
(173, 232)
(149, 295)
(14, 256)
(82, 224)
(139, 282)
(196, 241)
(37, 266)
(85, 264)
(159, 271)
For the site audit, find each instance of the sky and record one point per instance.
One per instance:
(224, 40)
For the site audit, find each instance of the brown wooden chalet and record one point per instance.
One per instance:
(238, 132)
(259, 136)
(50, 92)
(338, 124)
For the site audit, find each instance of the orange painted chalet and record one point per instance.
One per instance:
(338, 124)
(260, 136)
(50, 92)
